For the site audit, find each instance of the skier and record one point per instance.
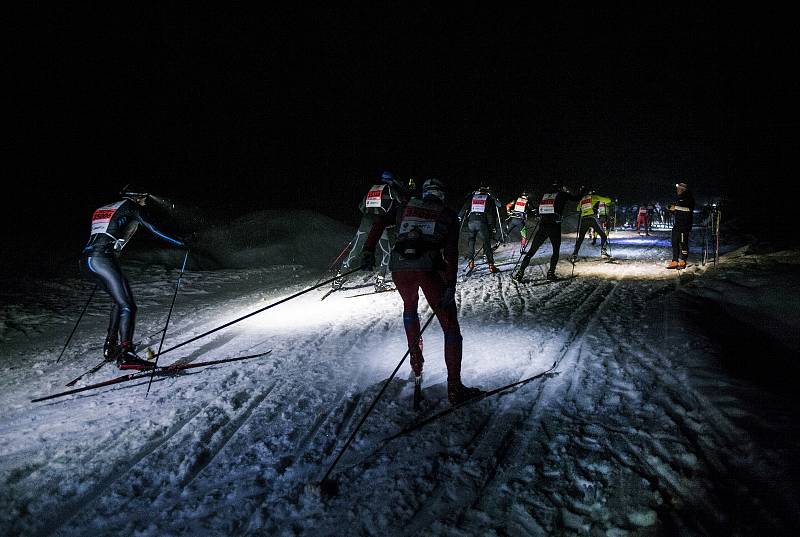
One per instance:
(588, 207)
(380, 203)
(602, 210)
(113, 226)
(426, 256)
(519, 210)
(551, 209)
(642, 220)
(480, 212)
(683, 211)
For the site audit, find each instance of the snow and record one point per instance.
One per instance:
(671, 408)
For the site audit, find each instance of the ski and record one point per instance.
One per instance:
(453, 408)
(94, 369)
(417, 392)
(175, 367)
(373, 292)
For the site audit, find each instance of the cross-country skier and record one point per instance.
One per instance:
(642, 220)
(518, 211)
(480, 213)
(113, 226)
(588, 207)
(426, 256)
(551, 209)
(683, 211)
(380, 203)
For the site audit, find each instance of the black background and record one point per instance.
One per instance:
(235, 109)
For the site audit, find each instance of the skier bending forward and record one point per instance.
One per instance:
(426, 256)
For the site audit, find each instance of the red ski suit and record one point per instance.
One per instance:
(425, 257)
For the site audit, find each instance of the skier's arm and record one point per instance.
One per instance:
(143, 220)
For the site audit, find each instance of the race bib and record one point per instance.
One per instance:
(642, 211)
(519, 206)
(586, 204)
(547, 205)
(601, 209)
(418, 220)
(374, 196)
(479, 203)
(102, 217)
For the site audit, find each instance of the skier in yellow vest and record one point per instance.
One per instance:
(588, 219)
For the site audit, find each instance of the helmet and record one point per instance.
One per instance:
(433, 188)
(484, 189)
(133, 191)
(387, 177)
(523, 195)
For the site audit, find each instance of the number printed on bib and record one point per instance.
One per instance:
(374, 196)
(547, 205)
(102, 217)
(479, 203)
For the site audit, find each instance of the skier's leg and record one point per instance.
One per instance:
(581, 234)
(407, 284)
(486, 240)
(433, 286)
(473, 228)
(554, 234)
(123, 315)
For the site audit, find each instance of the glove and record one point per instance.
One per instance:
(367, 261)
(448, 296)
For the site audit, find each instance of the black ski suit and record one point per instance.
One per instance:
(551, 209)
(683, 210)
(112, 227)
(480, 213)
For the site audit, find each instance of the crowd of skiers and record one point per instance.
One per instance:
(412, 234)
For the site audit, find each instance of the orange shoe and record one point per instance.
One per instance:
(672, 264)
(681, 264)
(471, 265)
(493, 269)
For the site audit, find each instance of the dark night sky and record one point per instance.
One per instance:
(235, 110)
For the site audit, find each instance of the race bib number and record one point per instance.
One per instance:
(601, 209)
(102, 217)
(418, 220)
(547, 205)
(642, 211)
(374, 196)
(520, 205)
(479, 203)
(586, 204)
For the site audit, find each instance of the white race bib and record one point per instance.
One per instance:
(479, 203)
(102, 217)
(547, 205)
(519, 206)
(374, 196)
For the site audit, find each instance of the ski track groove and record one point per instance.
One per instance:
(498, 434)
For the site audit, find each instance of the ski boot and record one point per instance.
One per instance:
(681, 264)
(672, 265)
(338, 282)
(471, 265)
(551, 276)
(573, 258)
(381, 285)
(458, 393)
(417, 362)
(493, 269)
(128, 359)
(517, 276)
(604, 253)
(110, 349)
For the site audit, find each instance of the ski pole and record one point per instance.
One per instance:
(577, 234)
(374, 402)
(243, 317)
(166, 325)
(338, 258)
(74, 328)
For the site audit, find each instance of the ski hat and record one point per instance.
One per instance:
(682, 185)
(433, 188)
(387, 177)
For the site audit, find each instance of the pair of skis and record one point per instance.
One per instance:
(173, 368)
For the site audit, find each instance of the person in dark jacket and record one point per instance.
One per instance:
(381, 202)
(480, 214)
(683, 213)
(426, 256)
(519, 210)
(113, 226)
(551, 209)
